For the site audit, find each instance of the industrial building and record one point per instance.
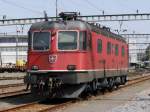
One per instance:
(13, 48)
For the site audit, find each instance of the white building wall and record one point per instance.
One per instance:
(10, 57)
(132, 51)
(8, 50)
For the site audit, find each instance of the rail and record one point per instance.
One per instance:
(39, 107)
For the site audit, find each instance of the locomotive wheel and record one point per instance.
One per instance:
(34, 90)
(110, 84)
(123, 80)
(94, 87)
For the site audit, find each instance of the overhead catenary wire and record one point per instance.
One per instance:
(93, 5)
(64, 7)
(78, 4)
(20, 6)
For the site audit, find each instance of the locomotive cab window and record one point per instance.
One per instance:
(67, 40)
(41, 41)
(82, 40)
(99, 45)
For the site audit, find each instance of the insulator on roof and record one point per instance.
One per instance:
(99, 25)
(45, 16)
(69, 15)
(106, 28)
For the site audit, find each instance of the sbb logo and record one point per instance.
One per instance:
(52, 58)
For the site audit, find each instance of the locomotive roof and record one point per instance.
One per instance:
(62, 25)
(74, 25)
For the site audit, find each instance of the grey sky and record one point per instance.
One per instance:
(34, 8)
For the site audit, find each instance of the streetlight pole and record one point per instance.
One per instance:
(56, 8)
(0, 59)
(17, 47)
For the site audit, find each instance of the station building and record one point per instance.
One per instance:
(13, 48)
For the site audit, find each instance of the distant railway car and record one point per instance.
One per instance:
(68, 57)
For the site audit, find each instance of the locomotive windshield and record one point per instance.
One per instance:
(67, 40)
(41, 41)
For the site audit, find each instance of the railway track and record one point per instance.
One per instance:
(38, 107)
(9, 94)
(11, 78)
(13, 94)
(11, 85)
(12, 90)
(136, 80)
(41, 107)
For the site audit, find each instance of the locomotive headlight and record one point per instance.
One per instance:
(34, 67)
(71, 67)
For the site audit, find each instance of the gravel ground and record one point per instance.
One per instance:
(141, 103)
(137, 76)
(12, 74)
(12, 102)
(6, 82)
(112, 102)
(12, 89)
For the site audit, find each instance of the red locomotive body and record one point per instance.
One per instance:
(72, 56)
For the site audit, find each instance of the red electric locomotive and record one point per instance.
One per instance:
(68, 57)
